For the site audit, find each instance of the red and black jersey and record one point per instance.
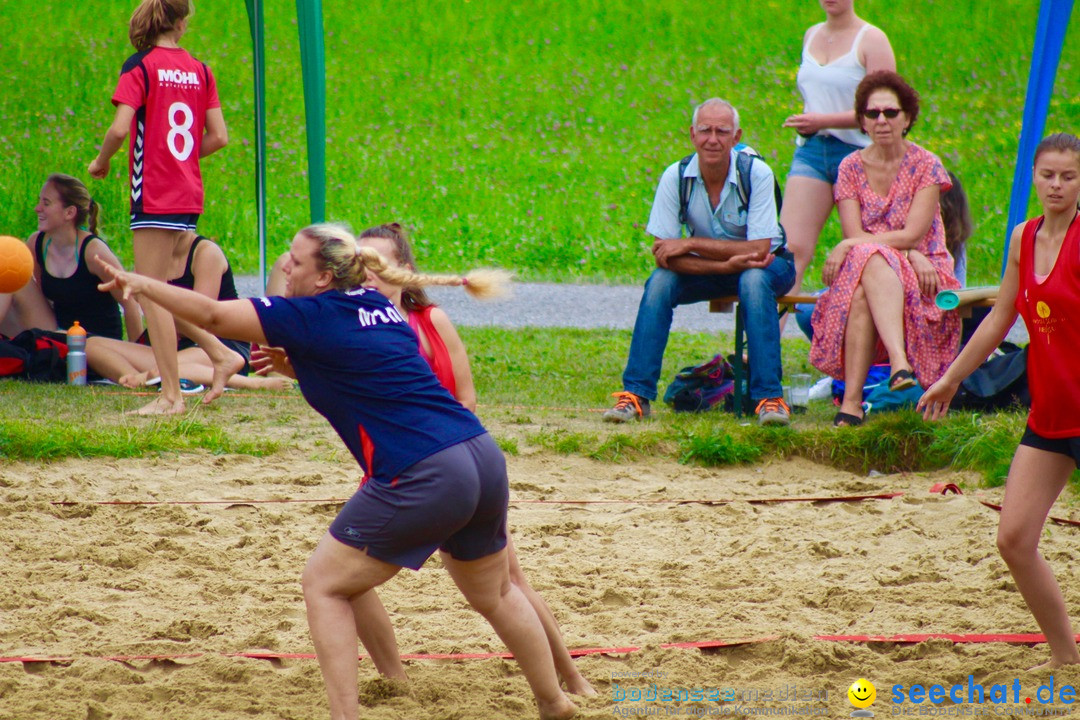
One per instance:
(1048, 309)
(171, 92)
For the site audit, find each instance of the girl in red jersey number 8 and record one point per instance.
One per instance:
(167, 101)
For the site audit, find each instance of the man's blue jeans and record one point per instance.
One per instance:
(757, 289)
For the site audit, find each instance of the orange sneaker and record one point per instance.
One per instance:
(628, 406)
(773, 411)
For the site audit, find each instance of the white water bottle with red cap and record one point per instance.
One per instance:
(76, 357)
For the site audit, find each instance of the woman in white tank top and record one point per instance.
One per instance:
(836, 55)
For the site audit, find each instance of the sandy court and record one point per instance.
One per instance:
(87, 581)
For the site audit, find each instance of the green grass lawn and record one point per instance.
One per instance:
(539, 389)
(528, 135)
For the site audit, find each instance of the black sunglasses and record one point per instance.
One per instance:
(889, 113)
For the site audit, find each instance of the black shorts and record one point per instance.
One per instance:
(454, 500)
(1063, 446)
(176, 221)
(241, 348)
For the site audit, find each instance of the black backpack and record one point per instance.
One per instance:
(744, 161)
(35, 355)
(998, 383)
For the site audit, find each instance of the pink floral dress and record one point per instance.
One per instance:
(931, 335)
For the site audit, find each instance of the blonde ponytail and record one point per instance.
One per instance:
(482, 284)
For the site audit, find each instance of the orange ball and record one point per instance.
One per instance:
(16, 264)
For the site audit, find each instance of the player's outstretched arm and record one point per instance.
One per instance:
(235, 319)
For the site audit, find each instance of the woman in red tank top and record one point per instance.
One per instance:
(441, 346)
(1041, 283)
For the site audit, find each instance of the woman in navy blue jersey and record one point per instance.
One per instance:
(437, 479)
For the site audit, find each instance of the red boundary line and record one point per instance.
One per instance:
(904, 638)
(959, 638)
(267, 655)
(751, 501)
(946, 488)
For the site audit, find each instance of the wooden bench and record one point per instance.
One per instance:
(730, 304)
(959, 300)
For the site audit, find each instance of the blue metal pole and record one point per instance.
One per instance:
(1049, 40)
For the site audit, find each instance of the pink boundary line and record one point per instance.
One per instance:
(751, 501)
(904, 638)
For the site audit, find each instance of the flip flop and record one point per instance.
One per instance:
(901, 380)
(843, 419)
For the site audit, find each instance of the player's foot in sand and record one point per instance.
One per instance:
(579, 686)
(561, 709)
(160, 406)
(226, 364)
(1052, 665)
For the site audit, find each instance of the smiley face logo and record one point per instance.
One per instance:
(862, 694)
(1042, 309)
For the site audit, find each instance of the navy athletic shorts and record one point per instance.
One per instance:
(454, 500)
(177, 221)
(1064, 446)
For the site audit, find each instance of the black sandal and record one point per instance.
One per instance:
(901, 380)
(843, 419)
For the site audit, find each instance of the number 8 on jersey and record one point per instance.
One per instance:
(170, 92)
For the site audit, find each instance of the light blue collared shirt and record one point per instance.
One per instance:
(727, 221)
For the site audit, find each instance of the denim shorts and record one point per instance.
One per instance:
(454, 500)
(177, 221)
(1069, 446)
(820, 158)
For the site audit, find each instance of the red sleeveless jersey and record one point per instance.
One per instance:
(439, 359)
(1050, 312)
(171, 92)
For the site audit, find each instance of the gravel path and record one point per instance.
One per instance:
(579, 306)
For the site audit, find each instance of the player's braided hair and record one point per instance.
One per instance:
(154, 18)
(348, 263)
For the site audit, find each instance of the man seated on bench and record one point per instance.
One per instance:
(725, 198)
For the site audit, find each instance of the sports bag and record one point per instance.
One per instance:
(34, 354)
(699, 388)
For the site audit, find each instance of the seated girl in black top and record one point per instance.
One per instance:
(198, 264)
(65, 282)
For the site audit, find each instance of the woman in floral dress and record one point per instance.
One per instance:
(884, 275)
